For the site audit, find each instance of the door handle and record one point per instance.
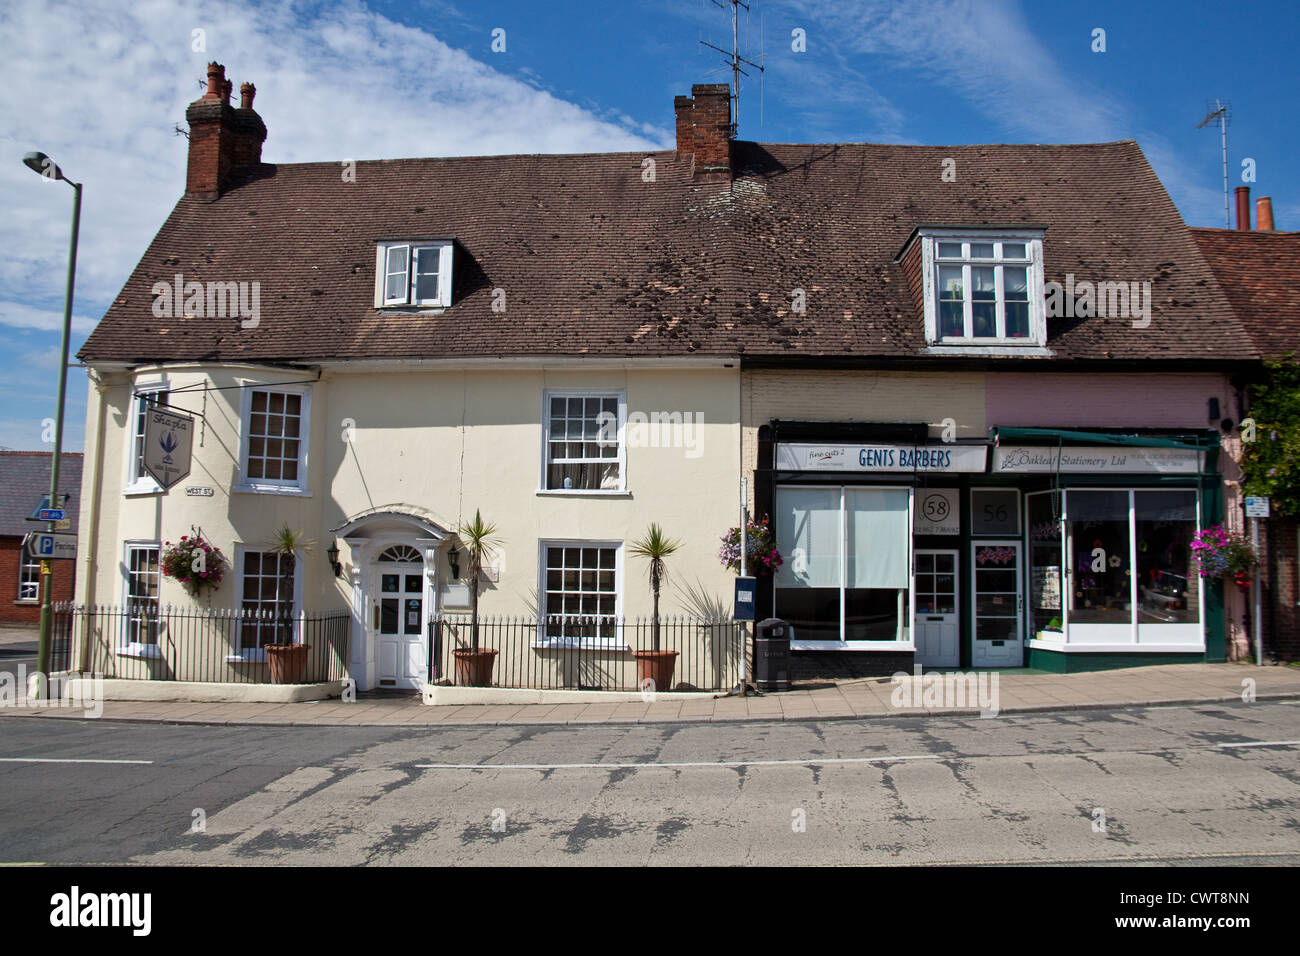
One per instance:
(376, 609)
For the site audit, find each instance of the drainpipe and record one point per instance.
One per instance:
(96, 498)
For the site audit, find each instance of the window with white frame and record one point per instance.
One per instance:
(275, 439)
(984, 290)
(584, 441)
(29, 578)
(139, 479)
(143, 574)
(413, 273)
(579, 591)
(266, 600)
(846, 578)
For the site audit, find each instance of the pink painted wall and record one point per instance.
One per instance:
(1139, 400)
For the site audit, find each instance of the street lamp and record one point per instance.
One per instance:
(42, 164)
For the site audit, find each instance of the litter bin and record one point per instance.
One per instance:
(772, 655)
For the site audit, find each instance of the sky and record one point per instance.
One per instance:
(101, 85)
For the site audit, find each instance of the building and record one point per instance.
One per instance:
(24, 482)
(581, 345)
(1257, 270)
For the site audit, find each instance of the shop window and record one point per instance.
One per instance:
(1168, 587)
(1045, 577)
(1099, 557)
(846, 576)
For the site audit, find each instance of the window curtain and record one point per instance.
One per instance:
(808, 531)
(878, 537)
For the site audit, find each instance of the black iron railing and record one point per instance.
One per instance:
(591, 653)
(147, 642)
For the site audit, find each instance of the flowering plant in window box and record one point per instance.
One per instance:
(194, 563)
(761, 555)
(1224, 555)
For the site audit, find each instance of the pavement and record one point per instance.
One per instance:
(1016, 691)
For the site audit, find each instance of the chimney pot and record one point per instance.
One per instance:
(246, 93)
(216, 80)
(1243, 208)
(1264, 214)
(226, 88)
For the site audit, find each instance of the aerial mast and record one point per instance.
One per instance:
(734, 58)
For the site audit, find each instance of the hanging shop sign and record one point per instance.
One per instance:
(168, 440)
(1098, 460)
(890, 458)
(937, 511)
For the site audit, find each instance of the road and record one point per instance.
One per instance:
(1160, 785)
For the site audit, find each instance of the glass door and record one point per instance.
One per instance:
(937, 628)
(996, 604)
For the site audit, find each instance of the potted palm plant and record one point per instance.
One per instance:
(287, 660)
(474, 664)
(655, 665)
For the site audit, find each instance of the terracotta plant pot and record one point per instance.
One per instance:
(288, 663)
(474, 668)
(657, 666)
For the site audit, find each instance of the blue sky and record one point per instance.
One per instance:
(99, 87)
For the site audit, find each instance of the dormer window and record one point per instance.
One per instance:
(413, 274)
(983, 288)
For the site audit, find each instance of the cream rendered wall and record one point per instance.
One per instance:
(446, 442)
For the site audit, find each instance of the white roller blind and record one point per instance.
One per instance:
(878, 537)
(808, 535)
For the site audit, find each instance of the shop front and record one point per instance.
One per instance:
(989, 554)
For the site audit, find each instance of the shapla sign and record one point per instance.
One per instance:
(168, 441)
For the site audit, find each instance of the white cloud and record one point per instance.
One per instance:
(45, 320)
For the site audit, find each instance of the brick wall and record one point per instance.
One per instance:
(10, 610)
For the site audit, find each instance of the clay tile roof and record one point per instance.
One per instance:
(1260, 274)
(25, 479)
(594, 260)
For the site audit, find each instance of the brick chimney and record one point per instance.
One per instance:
(222, 138)
(704, 130)
(1264, 214)
(1243, 208)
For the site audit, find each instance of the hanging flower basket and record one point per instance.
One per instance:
(761, 555)
(1224, 555)
(194, 563)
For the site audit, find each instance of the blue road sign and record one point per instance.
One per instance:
(744, 599)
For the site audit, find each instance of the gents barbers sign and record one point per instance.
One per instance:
(168, 441)
(898, 459)
(1098, 460)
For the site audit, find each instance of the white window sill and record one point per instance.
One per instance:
(583, 492)
(579, 644)
(142, 488)
(28, 602)
(990, 350)
(399, 309)
(852, 646)
(142, 651)
(255, 489)
(247, 657)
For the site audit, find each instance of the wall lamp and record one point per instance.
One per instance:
(453, 558)
(333, 555)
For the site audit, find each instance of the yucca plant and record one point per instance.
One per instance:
(655, 547)
(287, 542)
(481, 541)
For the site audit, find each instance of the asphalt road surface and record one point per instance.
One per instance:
(1203, 784)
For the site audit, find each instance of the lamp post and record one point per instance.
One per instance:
(42, 164)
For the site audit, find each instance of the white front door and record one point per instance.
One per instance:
(937, 630)
(397, 624)
(996, 604)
